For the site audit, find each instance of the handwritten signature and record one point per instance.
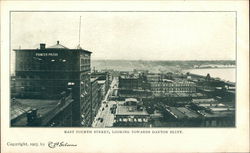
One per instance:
(60, 144)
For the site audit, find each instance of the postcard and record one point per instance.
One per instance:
(106, 76)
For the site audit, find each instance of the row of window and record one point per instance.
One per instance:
(172, 84)
(33, 67)
(131, 120)
(85, 61)
(44, 77)
(85, 68)
(174, 89)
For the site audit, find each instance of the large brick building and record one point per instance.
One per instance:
(45, 72)
(164, 87)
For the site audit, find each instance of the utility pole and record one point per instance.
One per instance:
(79, 39)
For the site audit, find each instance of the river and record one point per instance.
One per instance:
(227, 74)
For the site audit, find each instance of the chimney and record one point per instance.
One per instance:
(57, 42)
(32, 117)
(42, 46)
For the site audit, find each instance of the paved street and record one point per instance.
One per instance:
(104, 111)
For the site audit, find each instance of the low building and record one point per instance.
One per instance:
(214, 113)
(221, 118)
(42, 112)
(178, 117)
(182, 113)
(131, 113)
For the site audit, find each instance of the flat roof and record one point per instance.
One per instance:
(175, 112)
(197, 95)
(17, 109)
(206, 104)
(208, 100)
(188, 112)
(131, 99)
(182, 112)
(217, 114)
(129, 110)
(129, 77)
(101, 81)
(43, 105)
(178, 94)
(93, 79)
(215, 109)
(45, 108)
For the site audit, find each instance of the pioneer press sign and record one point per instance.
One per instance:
(46, 54)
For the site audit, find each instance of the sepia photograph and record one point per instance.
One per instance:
(112, 69)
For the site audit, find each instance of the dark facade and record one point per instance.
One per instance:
(45, 72)
(133, 85)
(128, 82)
(104, 77)
(96, 97)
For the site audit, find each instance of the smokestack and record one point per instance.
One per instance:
(42, 46)
(57, 42)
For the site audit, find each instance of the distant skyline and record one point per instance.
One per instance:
(156, 60)
(131, 35)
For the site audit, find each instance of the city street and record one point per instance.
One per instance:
(104, 117)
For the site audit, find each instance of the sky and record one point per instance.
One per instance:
(131, 35)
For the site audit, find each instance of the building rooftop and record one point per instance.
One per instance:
(93, 79)
(129, 77)
(187, 112)
(42, 105)
(129, 110)
(217, 114)
(175, 112)
(57, 46)
(179, 94)
(224, 108)
(197, 95)
(131, 99)
(209, 100)
(17, 109)
(182, 112)
(46, 109)
(207, 104)
(21, 107)
(101, 81)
